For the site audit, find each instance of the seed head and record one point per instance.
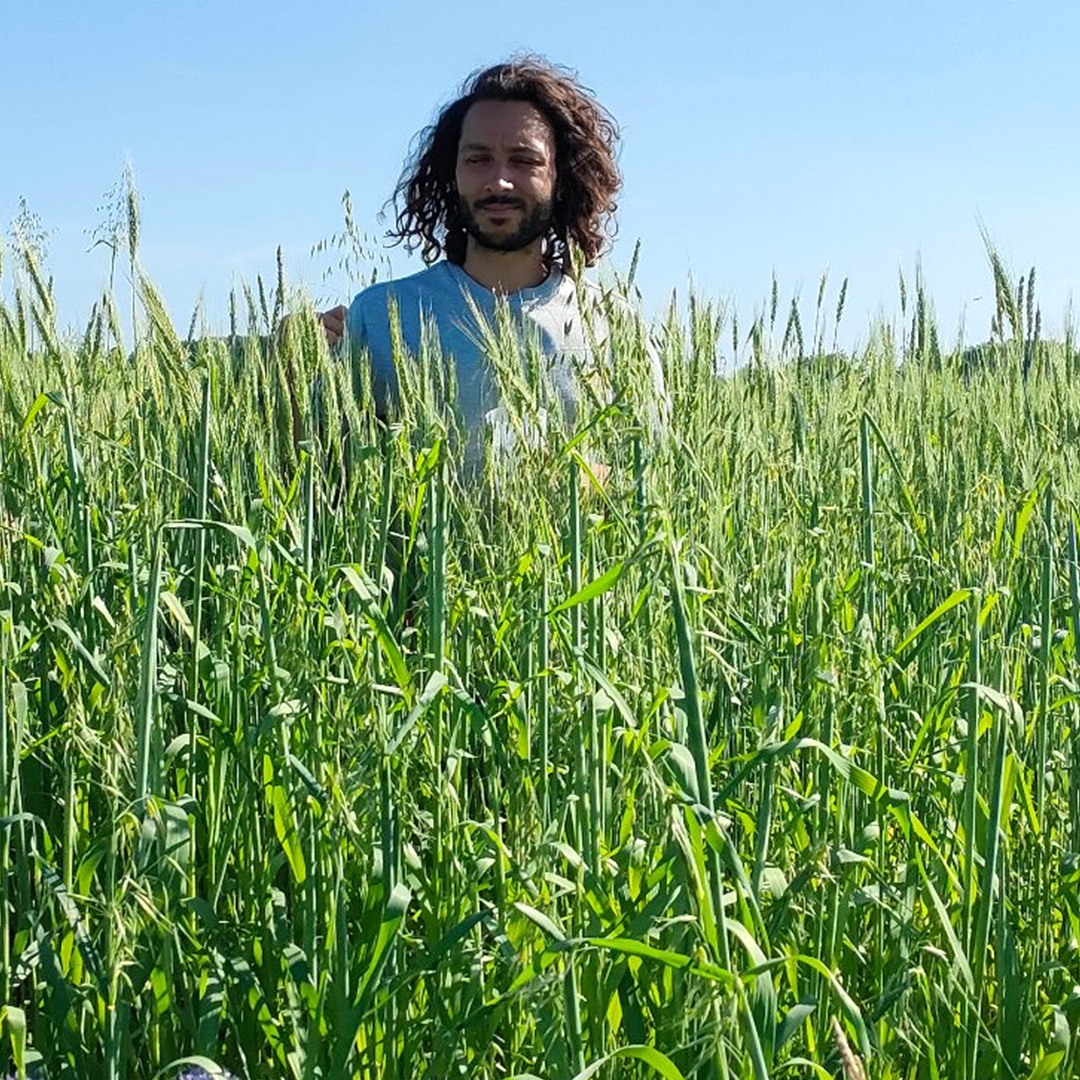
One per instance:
(853, 1069)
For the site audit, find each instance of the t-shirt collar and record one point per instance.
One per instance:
(543, 291)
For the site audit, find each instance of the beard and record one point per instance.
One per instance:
(533, 226)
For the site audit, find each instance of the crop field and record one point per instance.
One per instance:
(740, 744)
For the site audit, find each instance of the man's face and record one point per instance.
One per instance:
(506, 174)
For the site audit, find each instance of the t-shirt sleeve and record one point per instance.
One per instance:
(364, 348)
(354, 323)
(658, 403)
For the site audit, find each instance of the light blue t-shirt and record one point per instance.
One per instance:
(449, 301)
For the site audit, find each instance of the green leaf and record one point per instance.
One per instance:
(238, 531)
(176, 610)
(14, 1020)
(664, 956)
(182, 743)
(365, 590)
(958, 596)
(905, 488)
(83, 651)
(802, 1063)
(310, 781)
(622, 707)
(397, 905)
(1047, 1065)
(435, 685)
(681, 763)
(959, 959)
(594, 588)
(195, 707)
(540, 919)
(1024, 517)
(453, 936)
(144, 710)
(75, 921)
(285, 827)
(39, 403)
(658, 1062)
(795, 1018)
(897, 801)
(1008, 706)
(844, 1000)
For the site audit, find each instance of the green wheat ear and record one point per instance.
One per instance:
(131, 202)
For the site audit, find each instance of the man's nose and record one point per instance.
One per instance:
(498, 180)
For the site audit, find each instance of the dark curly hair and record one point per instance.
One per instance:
(586, 176)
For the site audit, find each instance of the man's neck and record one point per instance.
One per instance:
(505, 271)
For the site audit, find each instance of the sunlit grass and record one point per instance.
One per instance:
(318, 758)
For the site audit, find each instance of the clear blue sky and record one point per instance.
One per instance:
(853, 137)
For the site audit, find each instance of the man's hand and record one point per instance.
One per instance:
(333, 323)
(600, 474)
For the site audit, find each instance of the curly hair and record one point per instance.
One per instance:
(586, 176)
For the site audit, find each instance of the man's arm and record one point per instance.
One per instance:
(335, 323)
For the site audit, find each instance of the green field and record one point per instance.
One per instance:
(319, 760)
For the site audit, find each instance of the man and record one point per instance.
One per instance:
(511, 180)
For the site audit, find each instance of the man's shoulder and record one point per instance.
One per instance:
(580, 292)
(589, 288)
(585, 294)
(429, 281)
(605, 299)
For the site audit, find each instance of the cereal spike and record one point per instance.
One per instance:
(853, 1069)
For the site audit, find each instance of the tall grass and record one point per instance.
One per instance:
(758, 758)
